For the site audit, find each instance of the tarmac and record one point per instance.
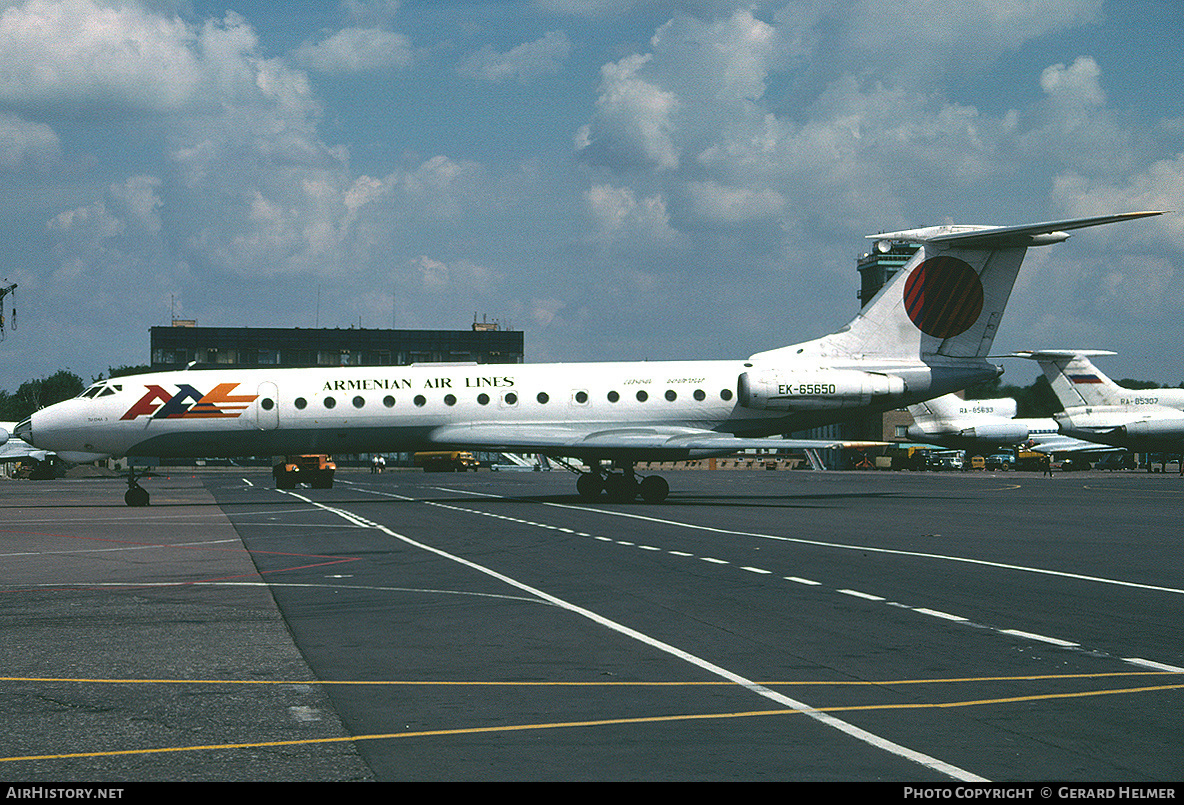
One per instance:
(757, 626)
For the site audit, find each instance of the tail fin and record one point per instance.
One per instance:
(939, 409)
(1074, 378)
(949, 298)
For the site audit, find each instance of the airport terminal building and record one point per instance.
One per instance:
(261, 347)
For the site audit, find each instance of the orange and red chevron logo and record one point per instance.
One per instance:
(189, 403)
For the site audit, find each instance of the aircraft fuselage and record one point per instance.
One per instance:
(237, 412)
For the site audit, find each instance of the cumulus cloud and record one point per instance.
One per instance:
(24, 143)
(634, 124)
(526, 62)
(619, 214)
(1076, 85)
(956, 36)
(356, 50)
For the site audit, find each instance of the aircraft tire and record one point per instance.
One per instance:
(136, 496)
(619, 488)
(589, 486)
(653, 489)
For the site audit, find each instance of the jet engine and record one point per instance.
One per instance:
(791, 390)
(1159, 428)
(997, 432)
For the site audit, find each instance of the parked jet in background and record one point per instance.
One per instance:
(926, 333)
(14, 449)
(984, 425)
(1099, 410)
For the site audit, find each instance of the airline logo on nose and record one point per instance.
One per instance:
(943, 297)
(189, 403)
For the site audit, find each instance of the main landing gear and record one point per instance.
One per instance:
(622, 486)
(135, 495)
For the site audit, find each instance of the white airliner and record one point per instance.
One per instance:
(926, 333)
(1099, 410)
(14, 449)
(983, 425)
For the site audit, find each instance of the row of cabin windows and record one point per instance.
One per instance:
(511, 398)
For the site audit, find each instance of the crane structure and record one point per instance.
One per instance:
(5, 290)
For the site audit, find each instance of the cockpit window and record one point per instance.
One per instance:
(101, 389)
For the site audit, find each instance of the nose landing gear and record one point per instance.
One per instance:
(135, 495)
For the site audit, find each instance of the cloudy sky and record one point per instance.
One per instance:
(620, 179)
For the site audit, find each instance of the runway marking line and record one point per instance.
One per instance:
(598, 683)
(589, 723)
(823, 718)
(854, 593)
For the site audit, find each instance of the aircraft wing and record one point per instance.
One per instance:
(1067, 444)
(571, 440)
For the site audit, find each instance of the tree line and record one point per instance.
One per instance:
(33, 395)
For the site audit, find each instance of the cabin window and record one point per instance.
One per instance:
(511, 398)
(726, 394)
(642, 396)
(450, 399)
(542, 398)
(300, 403)
(483, 398)
(359, 402)
(581, 397)
(330, 402)
(613, 396)
(267, 403)
(700, 395)
(388, 401)
(671, 395)
(420, 400)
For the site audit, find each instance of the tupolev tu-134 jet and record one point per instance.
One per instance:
(926, 333)
(1099, 410)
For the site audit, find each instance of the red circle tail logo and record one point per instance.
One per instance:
(943, 297)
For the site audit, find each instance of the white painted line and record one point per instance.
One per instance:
(874, 549)
(938, 614)
(858, 733)
(755, 570)
(680, 553)
(858, 594)
(1032, 636)
(715, 561)
(800, 580)
(1159, 666)
(648, 548)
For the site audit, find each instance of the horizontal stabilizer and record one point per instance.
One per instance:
(968, 235)
(1057, 354)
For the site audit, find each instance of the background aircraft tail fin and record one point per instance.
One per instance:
(943, 408)
(1074, 378)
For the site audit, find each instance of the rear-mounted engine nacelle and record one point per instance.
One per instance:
(998, 432)
(788, 390)
(1156, 428)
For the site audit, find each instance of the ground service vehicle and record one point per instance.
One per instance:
(316, 470)
(446, 461)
